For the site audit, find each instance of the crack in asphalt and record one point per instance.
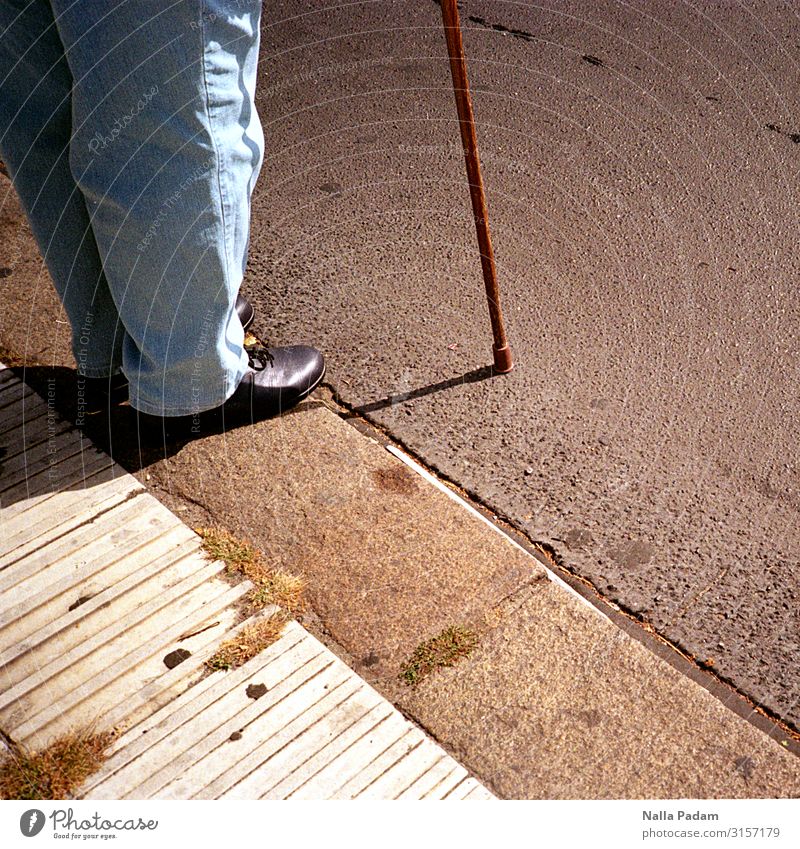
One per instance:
(516, 33)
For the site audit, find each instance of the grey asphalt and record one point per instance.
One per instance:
(641, 167)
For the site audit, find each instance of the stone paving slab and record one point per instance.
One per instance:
(390, 560)
(558, 703)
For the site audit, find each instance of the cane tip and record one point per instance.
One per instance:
(502, 359)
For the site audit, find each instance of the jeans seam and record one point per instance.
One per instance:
(212, 136)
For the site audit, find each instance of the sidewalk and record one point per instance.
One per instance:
(102, 589)
(100, 584)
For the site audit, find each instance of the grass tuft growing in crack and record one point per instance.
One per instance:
(279, 588)
(446, 649)
(249, 642)
(239, 555)
(55, 771)
(272, 586)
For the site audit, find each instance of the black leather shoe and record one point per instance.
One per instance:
(279, 378)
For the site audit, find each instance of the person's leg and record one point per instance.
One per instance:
(35, 130)
(166, 147)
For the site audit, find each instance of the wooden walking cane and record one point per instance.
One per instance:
(458, 68)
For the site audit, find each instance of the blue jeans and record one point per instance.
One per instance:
(130, 132)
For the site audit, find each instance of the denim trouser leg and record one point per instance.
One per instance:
(35, 129)
(165, 148)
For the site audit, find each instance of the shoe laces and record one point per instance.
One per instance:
(259, 356)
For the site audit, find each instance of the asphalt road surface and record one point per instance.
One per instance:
(641, 164)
